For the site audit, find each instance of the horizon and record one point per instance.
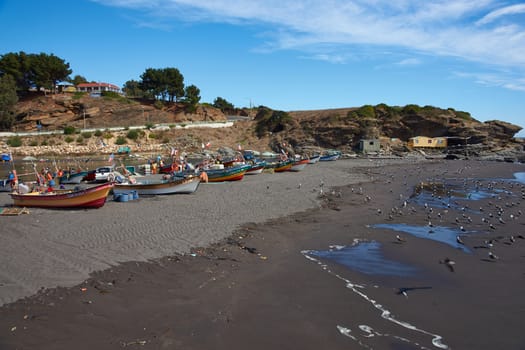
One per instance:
(293, 56)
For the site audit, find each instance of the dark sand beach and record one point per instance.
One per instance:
(274, 283)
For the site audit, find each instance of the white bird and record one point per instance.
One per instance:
(400, 239)
(493, 256)
(448, 263)
(459, 240)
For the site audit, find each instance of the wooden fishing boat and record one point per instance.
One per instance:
(234, 173)
(330, 156)
(72, 177)
(256, 168)
(91, 197)
(299, 165)
(159, 186)
(314, 159)
(283, 165)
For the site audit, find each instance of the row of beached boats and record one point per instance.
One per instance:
(178, 181)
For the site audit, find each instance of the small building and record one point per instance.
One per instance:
(97, 88)
(427, 142)
(369, 145)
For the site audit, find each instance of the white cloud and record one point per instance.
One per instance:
(500, 79)
(409, 62)
(442, 27)
(504, 11)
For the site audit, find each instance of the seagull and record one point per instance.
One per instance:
(493, 256)
(459, 240)
(449, 263)
(400, 239)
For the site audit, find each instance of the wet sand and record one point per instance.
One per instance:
(262, 287)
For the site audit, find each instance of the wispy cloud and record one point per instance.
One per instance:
(500, 79)
(409, 62)
(504, 11)
(482, 31)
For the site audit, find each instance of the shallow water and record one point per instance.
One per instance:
(520, 177)
(365, 257)
(441, 234)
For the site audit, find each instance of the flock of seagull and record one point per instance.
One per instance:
(503, 205)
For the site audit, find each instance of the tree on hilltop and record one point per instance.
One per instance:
(48, 70)
(132, 89)
(192, 97)
(78, 79)
(8, 100)
(34, 70)
(162, 84)
(225, 106)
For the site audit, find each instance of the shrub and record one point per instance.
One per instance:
(121, 140)
(132, 134)
(98, 133)
(149, 126)
(69, 130)
(33, 143)
(158, 104)
(152, 136)
(14, 141)
(78, 95)
(86, 134)
(108, 135)
(80, 139)
(165, 140)
(43, 143)
(69, 139)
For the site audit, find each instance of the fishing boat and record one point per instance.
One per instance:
(220, 174)
(91, 197)
(72, 177)
(314, 159)
(330, 155)
(256, 168)
(159, 186)
(299, 165)
(283, 165)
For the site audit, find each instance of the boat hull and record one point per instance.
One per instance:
(182, 186)
(283, 166)
(313, 159)
(329, 158)
(299, 165)
(227, 174)
(93, 197)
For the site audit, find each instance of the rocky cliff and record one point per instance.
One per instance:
(265, 128)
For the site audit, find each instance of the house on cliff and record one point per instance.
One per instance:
(427, 142)
(97, 88)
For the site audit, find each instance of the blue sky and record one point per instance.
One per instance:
(293, 55)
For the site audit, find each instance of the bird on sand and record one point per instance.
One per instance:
(400, 239)
(448, 263)
(493, 256)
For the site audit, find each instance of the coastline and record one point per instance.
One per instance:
(237, 289)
